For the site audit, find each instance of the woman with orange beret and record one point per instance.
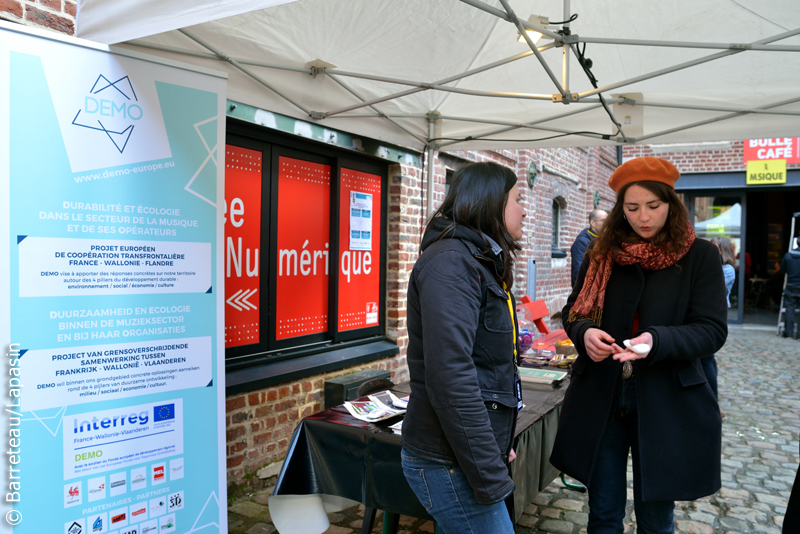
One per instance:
(649, 302)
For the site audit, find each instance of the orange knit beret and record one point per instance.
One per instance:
(646, 169)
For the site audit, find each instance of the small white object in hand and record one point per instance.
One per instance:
(641, 348)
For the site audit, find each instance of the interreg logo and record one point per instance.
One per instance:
(111, 108)
(116, 422)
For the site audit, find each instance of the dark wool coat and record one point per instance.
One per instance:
(680, 429)
(462, 408)
(577, 251)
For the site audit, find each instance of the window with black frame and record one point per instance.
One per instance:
(304, 250)
(555, 237)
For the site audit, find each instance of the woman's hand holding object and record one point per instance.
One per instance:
(637, 348)
(599, 345)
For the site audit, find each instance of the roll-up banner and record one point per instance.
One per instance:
(111, 273)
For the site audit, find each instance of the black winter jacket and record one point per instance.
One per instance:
(462, 408)
(790, 265)
(577, 251)
(680, 429)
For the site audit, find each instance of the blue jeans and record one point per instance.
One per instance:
(608, 485)
(445, 493)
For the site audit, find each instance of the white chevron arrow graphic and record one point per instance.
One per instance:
(244, 298)
(233, 297)
(239, 299)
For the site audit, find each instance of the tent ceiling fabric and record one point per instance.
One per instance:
(422, 48)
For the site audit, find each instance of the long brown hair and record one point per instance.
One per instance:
(726, 250)
(617, 230)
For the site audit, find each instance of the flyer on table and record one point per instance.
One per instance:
(111, 174)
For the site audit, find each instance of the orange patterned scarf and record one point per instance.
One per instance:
(589, 304)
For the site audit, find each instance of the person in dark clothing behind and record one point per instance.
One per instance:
(596, 219)
(790, 266)
(462, 354)
(649, 281)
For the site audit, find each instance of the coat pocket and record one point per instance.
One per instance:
(691, 376)
(497, 318)
(501, 408)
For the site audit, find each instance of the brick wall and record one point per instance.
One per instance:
(404, 224)
(56, 15)
(698, 157)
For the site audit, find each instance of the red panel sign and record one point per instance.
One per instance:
(242, 242)
(359, 270)
(787, 148)
(304, 193)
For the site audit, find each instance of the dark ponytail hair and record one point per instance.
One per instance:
(477, 200)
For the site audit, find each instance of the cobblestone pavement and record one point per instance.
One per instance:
(759, 389)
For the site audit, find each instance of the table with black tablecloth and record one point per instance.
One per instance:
(334, 454)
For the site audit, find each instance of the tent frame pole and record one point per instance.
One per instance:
(511, 17)
(526, 125)
(370, 103)
(565, 50)
(739, 47)
(242, 68)
(686, 65)
(432, 118)
(427, 86)
(715, 108)
(521, 28)
(379, 112)
(717, 119)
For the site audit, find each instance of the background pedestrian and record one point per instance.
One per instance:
(725, 248)
(596, 219)
(790, 266)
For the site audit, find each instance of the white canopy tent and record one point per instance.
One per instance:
(707, 70)
(433, 74)
(726, 224)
